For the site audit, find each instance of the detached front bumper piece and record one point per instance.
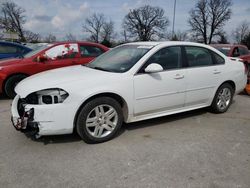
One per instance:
(23, 119)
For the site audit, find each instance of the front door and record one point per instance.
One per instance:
(162, 91)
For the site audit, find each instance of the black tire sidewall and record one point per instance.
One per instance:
(9, 87)
(81, 119)
(214, 105)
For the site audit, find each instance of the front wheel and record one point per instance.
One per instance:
(99, 120)
(222, 99)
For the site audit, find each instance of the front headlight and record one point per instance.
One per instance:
(47, 96)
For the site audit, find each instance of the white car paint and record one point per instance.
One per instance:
(145, 95)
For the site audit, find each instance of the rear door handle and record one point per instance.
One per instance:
(178, 76)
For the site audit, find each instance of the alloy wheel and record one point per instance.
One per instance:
(101, 121)
(224, 98)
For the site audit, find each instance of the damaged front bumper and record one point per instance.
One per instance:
(23, 119)
(42, 119)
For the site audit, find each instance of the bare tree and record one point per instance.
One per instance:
(12, 18)
(223, 38)
(208, 18)
(1, 33)
(50, 38)
(246, 40)
(70, 37)
(108, 31)
(146, 23)
(178, 36)
(241, 31)
(32, 37)
(93, 25)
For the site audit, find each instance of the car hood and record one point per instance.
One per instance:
(69, 78)
(9, 61)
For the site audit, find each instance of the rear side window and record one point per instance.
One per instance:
(8, 49)
(198, 56)
(90, 51)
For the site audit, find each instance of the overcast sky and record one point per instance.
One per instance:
(60, 17)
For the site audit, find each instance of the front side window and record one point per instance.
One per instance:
(168, 58)
(63, 51)
(90, 51)
(198, 56)
(120, 59)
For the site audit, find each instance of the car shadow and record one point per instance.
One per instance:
(3, 97)
(164, 119)
(57, 139)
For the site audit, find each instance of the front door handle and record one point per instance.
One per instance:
(178, 76)
(217, 72)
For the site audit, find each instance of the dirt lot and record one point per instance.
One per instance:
(194, 149)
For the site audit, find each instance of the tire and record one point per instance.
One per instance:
(10, 84)
(99, 120)
(222, 99)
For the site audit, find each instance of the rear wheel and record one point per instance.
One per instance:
(99, 120)
(222, 99)
(11, 83)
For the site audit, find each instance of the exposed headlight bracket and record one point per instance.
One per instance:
(51, 96)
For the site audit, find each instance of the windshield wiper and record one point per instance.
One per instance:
(100, 68)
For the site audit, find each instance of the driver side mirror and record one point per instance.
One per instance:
(41, 58)
(153, 68)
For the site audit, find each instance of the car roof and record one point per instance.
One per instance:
(170, 43)
(80, 42)
(14, 44)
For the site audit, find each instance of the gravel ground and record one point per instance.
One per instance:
(194, 149)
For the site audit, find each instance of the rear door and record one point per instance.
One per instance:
(203, 75)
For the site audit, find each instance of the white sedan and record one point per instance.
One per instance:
(131, 82)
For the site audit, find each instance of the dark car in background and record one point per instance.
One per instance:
(47, 57)
(11, 49)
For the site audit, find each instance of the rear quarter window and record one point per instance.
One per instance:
(218, 60)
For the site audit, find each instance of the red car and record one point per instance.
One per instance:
(234, 50)
(47, 57)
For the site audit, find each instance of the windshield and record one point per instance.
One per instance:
(41, 48)
(120, 59)
(224, 50)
